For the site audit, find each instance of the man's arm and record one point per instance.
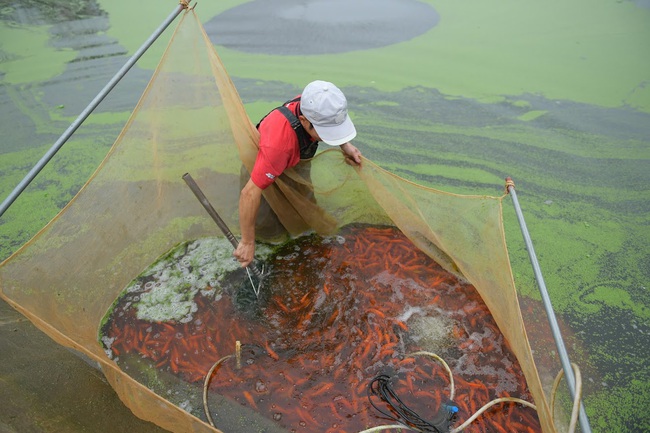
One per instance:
(352, 154)
(249, 204)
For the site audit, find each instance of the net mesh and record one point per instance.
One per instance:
(136, 207)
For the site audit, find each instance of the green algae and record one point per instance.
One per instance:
(532, 115)
(148, 16)
(113, 120)
(49, 193)
(448, 171)
(561, 55)
(619, 408)
(23, 58)
(609, 294)
(591, 238)
(51, 190)
(51, 11)
(557, 50)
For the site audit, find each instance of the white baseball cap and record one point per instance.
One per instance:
(325, 106)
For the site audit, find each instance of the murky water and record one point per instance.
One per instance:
(321, 27)
(557, 108)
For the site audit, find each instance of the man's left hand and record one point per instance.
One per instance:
(352, 154)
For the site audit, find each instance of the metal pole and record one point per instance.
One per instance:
(555, 328)
(89, 109)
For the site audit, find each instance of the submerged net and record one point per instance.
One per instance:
(379, 267)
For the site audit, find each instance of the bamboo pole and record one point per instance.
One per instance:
(221, 223)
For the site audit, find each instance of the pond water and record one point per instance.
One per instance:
(466, 95)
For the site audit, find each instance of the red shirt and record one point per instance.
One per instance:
(279, 147)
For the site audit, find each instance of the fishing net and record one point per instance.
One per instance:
(375, 267)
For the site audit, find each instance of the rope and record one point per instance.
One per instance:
(388, 427)
(574, 412)
(208, 376)
(406, 413)
(489, 405)
(444, 364)
(206, 384)
(509, 183)
(185, 4)
(576, 400)
(412, 418)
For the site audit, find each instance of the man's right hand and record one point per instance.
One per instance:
(245, 253)
(249, 203)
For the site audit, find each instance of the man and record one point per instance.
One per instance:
(287, 135)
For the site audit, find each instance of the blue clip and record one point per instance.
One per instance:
(451, 408)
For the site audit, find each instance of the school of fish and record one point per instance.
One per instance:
(335, 312)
